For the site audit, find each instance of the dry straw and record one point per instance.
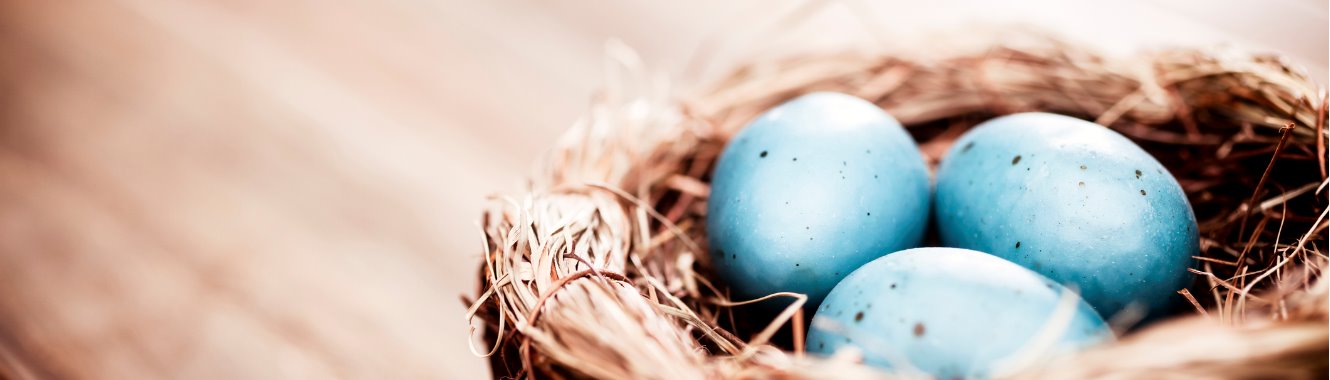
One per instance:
(600, 269)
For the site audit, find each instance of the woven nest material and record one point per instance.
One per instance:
(601, 271)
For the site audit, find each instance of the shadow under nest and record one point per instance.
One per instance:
(1245, 135)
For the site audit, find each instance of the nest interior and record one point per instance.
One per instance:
(600, 270)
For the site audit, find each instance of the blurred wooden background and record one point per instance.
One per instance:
(253, 189)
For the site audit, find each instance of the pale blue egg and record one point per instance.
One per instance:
(952, 313)
(1074, 201)
(811, 190)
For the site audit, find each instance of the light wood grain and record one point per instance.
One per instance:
(252, 189)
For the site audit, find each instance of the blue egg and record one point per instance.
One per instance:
(811, 190)
(1074, 201)
(952, 313)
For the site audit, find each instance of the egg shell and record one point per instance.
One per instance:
(811, 190)
(951, 313)
(1074, 201)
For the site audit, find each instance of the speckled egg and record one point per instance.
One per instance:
(1074, 201)
(811, 190)
(951, 313)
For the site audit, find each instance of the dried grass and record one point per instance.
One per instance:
(600, 269)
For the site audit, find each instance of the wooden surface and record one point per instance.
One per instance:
(254, 189)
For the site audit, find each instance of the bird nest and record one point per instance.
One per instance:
(600, 269)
